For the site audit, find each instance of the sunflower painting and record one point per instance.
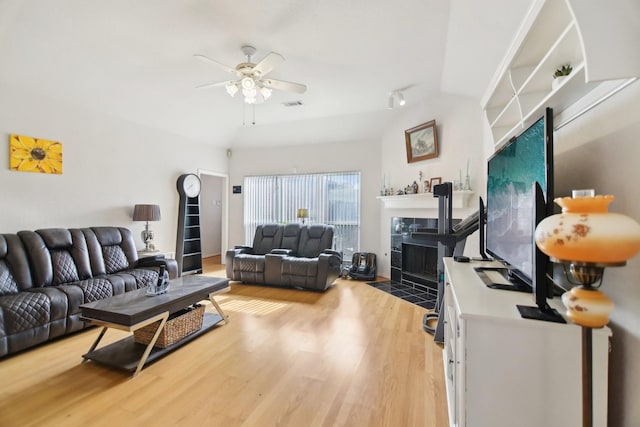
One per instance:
(29, 154)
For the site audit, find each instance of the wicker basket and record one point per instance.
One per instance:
(179, 325)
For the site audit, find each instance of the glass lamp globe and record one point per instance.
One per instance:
(588, 238)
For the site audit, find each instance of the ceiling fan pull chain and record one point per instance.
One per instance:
(254, 114)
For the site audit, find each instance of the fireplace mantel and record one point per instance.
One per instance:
(461, 199)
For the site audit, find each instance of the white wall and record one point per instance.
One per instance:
(459, 122)
(109, 165)
(362, 156)
(601, 150)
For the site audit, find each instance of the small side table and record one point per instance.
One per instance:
(170, 255)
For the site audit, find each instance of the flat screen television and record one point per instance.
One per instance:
(511, 214)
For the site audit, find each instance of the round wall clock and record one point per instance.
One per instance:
(189, 184)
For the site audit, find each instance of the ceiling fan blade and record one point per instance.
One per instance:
(268, 63)
(282, 85)
(210, 85)
(213, 61)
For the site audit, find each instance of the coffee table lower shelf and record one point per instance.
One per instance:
(126, 353)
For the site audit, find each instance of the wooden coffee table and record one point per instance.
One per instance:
(133, 310)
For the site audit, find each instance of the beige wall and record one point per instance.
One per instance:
(601, 150)
(109, 165)
(362, 156)
(459, 122)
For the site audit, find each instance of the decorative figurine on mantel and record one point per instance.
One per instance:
(467, 183)
(415, 187)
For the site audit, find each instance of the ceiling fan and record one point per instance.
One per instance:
(250, 77)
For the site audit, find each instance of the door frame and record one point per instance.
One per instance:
(224, 223)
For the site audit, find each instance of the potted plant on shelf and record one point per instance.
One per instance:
(560, 75)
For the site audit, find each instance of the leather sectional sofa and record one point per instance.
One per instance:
(289, 255)
(45, 275)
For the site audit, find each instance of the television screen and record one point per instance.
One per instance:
(512, 171)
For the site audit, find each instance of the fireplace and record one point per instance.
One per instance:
(414, 260)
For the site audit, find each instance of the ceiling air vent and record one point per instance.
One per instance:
(292, 104)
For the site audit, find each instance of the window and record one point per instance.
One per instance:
(331, 198)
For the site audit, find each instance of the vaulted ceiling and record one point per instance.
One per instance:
(134, 60)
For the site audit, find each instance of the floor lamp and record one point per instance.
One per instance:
(587, 238)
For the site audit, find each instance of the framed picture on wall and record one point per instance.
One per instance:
(422, 142)
(435, 181)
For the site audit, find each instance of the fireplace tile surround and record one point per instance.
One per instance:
(414, 262)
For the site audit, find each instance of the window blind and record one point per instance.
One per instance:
(331, 198)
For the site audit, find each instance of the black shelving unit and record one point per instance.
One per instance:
(188, 241)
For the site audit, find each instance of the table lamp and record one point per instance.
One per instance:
(587, 238)
(146, 213)
(303, 214)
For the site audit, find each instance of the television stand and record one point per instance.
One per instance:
(505, 287)
(490, 352)
(546, 314)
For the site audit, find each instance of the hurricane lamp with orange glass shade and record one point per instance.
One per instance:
(588, 238)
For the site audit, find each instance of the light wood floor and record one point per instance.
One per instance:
(352, 356)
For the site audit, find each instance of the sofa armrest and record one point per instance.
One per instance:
(329, 267)
(332, 252)
(287, 252)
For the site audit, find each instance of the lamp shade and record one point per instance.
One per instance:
(146, 213)
(303, 213)
(586, 232)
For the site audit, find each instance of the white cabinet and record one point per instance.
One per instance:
(502, 370)
(598, 39)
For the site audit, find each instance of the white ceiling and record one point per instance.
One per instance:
(134, 59)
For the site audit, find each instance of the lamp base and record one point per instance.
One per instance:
(549, 315)
(147, 238)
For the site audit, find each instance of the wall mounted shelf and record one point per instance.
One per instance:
(460, 200)
(595, 38)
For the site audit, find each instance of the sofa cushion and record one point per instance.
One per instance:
(142, 276)
(64, 269)
(15, 268)
(24, 310)
(114, 259)
(7, 283)
(305, 267)
(291, 236)
(314, 239)
(267, 237)
(248, 262)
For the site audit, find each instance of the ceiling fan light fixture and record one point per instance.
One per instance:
(266, 92)
(249, 92)
(232, 88)
(248, 83)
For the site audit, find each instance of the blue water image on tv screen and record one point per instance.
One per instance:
(511, 173)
